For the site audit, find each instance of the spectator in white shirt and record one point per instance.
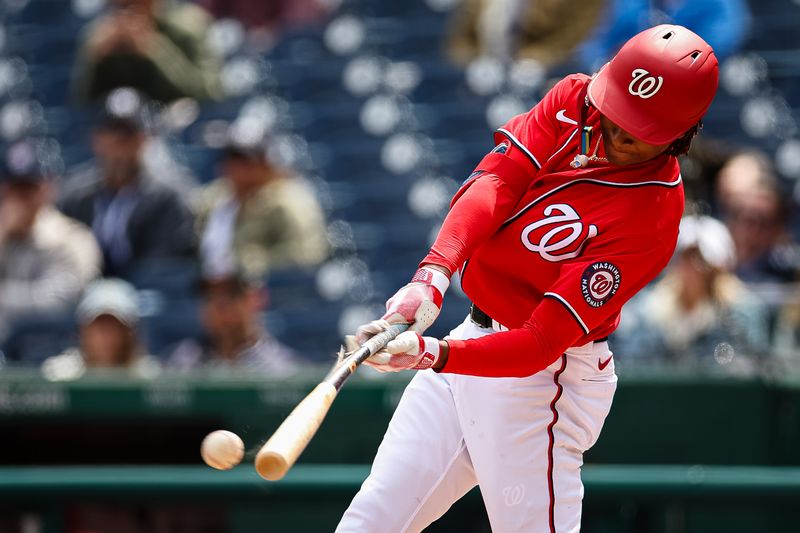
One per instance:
(46, 258)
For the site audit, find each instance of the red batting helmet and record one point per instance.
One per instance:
(659, 84)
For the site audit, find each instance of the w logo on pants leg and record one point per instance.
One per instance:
(514, 494)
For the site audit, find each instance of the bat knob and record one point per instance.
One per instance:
(271, 466)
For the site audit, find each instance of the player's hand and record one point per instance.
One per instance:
(408, 351)
(419, 302)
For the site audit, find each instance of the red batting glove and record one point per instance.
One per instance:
(409, 351)
(419, 302)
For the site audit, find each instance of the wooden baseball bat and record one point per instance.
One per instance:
(283, 448)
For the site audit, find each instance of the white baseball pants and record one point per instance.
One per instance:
(521, 439)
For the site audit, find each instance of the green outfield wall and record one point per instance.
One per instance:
(680, 453)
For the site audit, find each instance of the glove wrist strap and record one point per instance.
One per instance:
(433, 277)
(430, 353)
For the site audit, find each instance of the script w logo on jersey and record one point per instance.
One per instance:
(559, 236)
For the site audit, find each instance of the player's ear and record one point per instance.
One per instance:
(682, 144)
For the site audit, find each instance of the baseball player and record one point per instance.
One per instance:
(573, 212)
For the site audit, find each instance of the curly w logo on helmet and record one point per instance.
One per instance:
(644, 85)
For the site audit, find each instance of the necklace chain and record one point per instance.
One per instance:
(582, 159)
(594, 156)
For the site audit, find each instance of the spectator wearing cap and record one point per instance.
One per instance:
(258, 216)
(46, 258)
(756, 209)
(157, 46)
(136, 218)
(697, 307)
(108, 318)
(234, 338)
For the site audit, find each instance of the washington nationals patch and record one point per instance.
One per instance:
(599, 283)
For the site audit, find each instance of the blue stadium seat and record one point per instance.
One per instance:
(175, 320)
(176, 277)
(292, 289)
(313, 331)
(35, 338)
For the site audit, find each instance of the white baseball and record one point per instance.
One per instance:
(222, 449)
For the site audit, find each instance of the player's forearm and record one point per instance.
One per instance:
(510, 354)
(519, 352)
(476, 215)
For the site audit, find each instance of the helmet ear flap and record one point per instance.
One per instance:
(683, 144)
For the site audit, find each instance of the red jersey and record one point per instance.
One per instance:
(556, 241)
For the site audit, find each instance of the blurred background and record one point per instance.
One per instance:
(199, 199)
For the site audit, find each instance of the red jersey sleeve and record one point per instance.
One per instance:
(491, 192)
(587, 292)
(481, 206)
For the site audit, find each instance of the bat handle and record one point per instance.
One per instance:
(376, 343)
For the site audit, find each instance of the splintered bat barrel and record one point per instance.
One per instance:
(283, 448)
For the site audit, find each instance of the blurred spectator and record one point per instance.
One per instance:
(234, 337)
(698, 308)
(257, 14)
(265, 20)
(786, 341)
(742, 173)
(545, 30)
(259, 216)
(700, 169)
(134, 216)
(108, 318)
(756, 210)
(46, 259)
(722, 23)
(157, 46)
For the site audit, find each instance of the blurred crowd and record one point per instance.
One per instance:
(78, 243)
(88, 241)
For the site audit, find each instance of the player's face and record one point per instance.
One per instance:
(622, 148)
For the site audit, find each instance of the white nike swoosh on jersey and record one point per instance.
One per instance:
(563, 118)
